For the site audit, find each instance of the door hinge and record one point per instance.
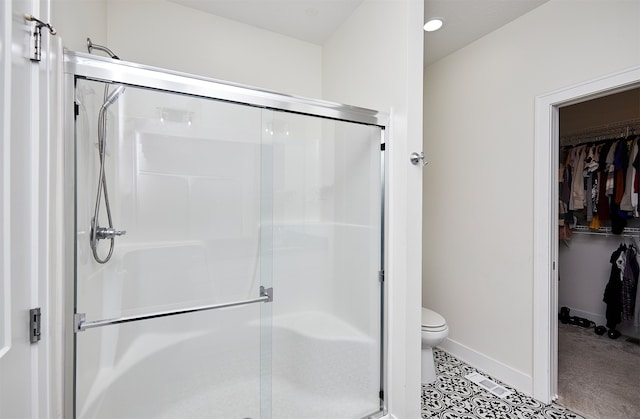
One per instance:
(381, 276)
(36, 36)
(76, 110)
(34, 324)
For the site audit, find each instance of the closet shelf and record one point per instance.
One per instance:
(601, 132)
(630, 232)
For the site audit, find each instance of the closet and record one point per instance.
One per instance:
(598, 141)
(599, 239)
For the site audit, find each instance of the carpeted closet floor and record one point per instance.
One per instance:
(598, 377)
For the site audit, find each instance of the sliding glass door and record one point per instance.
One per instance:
(183, 179)
(326, 264)
(228, 250)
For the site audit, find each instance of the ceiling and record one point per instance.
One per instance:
(315, 20)
(468, 20)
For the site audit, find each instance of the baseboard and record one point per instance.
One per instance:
(496, 369)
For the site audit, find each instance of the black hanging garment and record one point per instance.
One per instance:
(613, 290)
(629, 284)
(603, 199)
(621, 161)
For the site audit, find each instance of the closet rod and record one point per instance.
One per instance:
(627, 232)
(602, 132)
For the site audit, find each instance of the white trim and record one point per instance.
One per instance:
(543, 256)
(5, 175)
(58, 226)
(545, 301)
(496, 369)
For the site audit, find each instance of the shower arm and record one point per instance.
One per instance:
(91, 46)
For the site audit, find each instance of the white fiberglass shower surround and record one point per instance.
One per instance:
(250, 280)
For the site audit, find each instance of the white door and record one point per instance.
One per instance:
(23, 150)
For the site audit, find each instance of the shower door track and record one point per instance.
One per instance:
(103, 69)
(266, 296)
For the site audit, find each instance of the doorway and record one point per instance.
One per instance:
(545, 258)
(598, 357)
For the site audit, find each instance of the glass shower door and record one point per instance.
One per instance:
(246, 278)
(327, 182)
(185, 179)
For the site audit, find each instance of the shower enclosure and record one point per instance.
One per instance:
(250, 280)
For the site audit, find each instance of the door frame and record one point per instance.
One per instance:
(28, 142)
(545, 243)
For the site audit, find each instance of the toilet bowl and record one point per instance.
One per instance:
(434, 331)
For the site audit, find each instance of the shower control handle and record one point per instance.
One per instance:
(108, 233)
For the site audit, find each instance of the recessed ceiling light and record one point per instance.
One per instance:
(433, 24)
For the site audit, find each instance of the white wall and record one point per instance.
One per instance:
(375, 60)
(77, 20)
(478, 189)
(584, 269)
(164, 34)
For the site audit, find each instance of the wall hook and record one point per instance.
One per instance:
(37, 35)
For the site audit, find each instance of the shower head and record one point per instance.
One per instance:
(91, 46)
(113, 96)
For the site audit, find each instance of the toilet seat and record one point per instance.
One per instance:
(432, 321)
(434, 329)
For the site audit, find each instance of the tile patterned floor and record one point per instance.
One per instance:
(453, 396)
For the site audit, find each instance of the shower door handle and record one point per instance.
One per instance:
(266, 296)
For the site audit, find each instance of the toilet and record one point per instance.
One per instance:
(434, 331)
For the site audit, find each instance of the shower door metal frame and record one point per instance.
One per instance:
(90, 67)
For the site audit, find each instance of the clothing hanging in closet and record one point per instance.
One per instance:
(620, 293)
(600, 180)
